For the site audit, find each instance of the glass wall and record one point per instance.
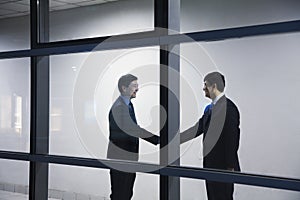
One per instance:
(195, 189)
(83, 89)
(89, 183)
(262, 77)
(100, 18)
(14, 23)
(201, 15)
(14, 104)
(14, 176)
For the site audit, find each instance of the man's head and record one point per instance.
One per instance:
(214, 84)
(128, 85)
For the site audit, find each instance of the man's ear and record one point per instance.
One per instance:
(123, 89)
(214, 86)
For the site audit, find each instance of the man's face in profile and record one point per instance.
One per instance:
(208, 89)
(131, 90)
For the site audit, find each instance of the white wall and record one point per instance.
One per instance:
(261, 73)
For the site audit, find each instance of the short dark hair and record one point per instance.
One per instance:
(125, 81)
(216, 78)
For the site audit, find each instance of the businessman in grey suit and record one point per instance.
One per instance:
(124, 137)
(221, 134)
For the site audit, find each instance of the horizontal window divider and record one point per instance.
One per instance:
(151, 39)
(233, 177)
(15, 54)
(14, 155)
(246, 31)
(179, 171)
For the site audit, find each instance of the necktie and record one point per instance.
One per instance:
(131, 112)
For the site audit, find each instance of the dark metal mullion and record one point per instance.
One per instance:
(164, 180)
(33, 24)
(33, 107)
(161, 14)
(39, 130)
(39, 116)
(167, 17)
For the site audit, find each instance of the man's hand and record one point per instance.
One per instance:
(153, 139)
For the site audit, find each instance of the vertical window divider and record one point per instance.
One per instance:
(39, 113)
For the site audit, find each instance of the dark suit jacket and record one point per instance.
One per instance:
(220, 126)
(125, 133)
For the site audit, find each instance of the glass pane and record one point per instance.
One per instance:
(14, 104)
(245, 191)
(201, 15)
(68, 182)
(14, 23)
(14, 177)
(86, 19)
(84, 87)
(262, 75)
(196, 189)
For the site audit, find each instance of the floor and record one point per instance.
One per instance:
(5, 195)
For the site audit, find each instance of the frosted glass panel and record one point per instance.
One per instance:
(84, 87)
(201, 15)
(195, 189)
(84, 20)
(14, 33)
(262, 77)
(68, 182)
(14, 104)
(14, 176)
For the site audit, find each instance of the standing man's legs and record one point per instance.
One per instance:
(121, 185)
(219, 190)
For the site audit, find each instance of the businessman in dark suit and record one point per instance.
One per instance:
(221, 134)
(124, 137)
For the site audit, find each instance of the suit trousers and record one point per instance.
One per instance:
(121, 185)
(219, 190)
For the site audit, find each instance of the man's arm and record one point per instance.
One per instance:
(192, 132)
(122, 118)
(232, 137)
(153, 139)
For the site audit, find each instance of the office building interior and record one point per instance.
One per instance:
(60, 61)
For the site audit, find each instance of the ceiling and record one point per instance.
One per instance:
(14, 8)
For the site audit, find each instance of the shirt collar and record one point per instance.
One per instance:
(125, 99)
(218, 97)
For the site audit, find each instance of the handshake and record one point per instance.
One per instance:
(153, 139)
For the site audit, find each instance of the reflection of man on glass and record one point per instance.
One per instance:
(124, 137)
(220, 125)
